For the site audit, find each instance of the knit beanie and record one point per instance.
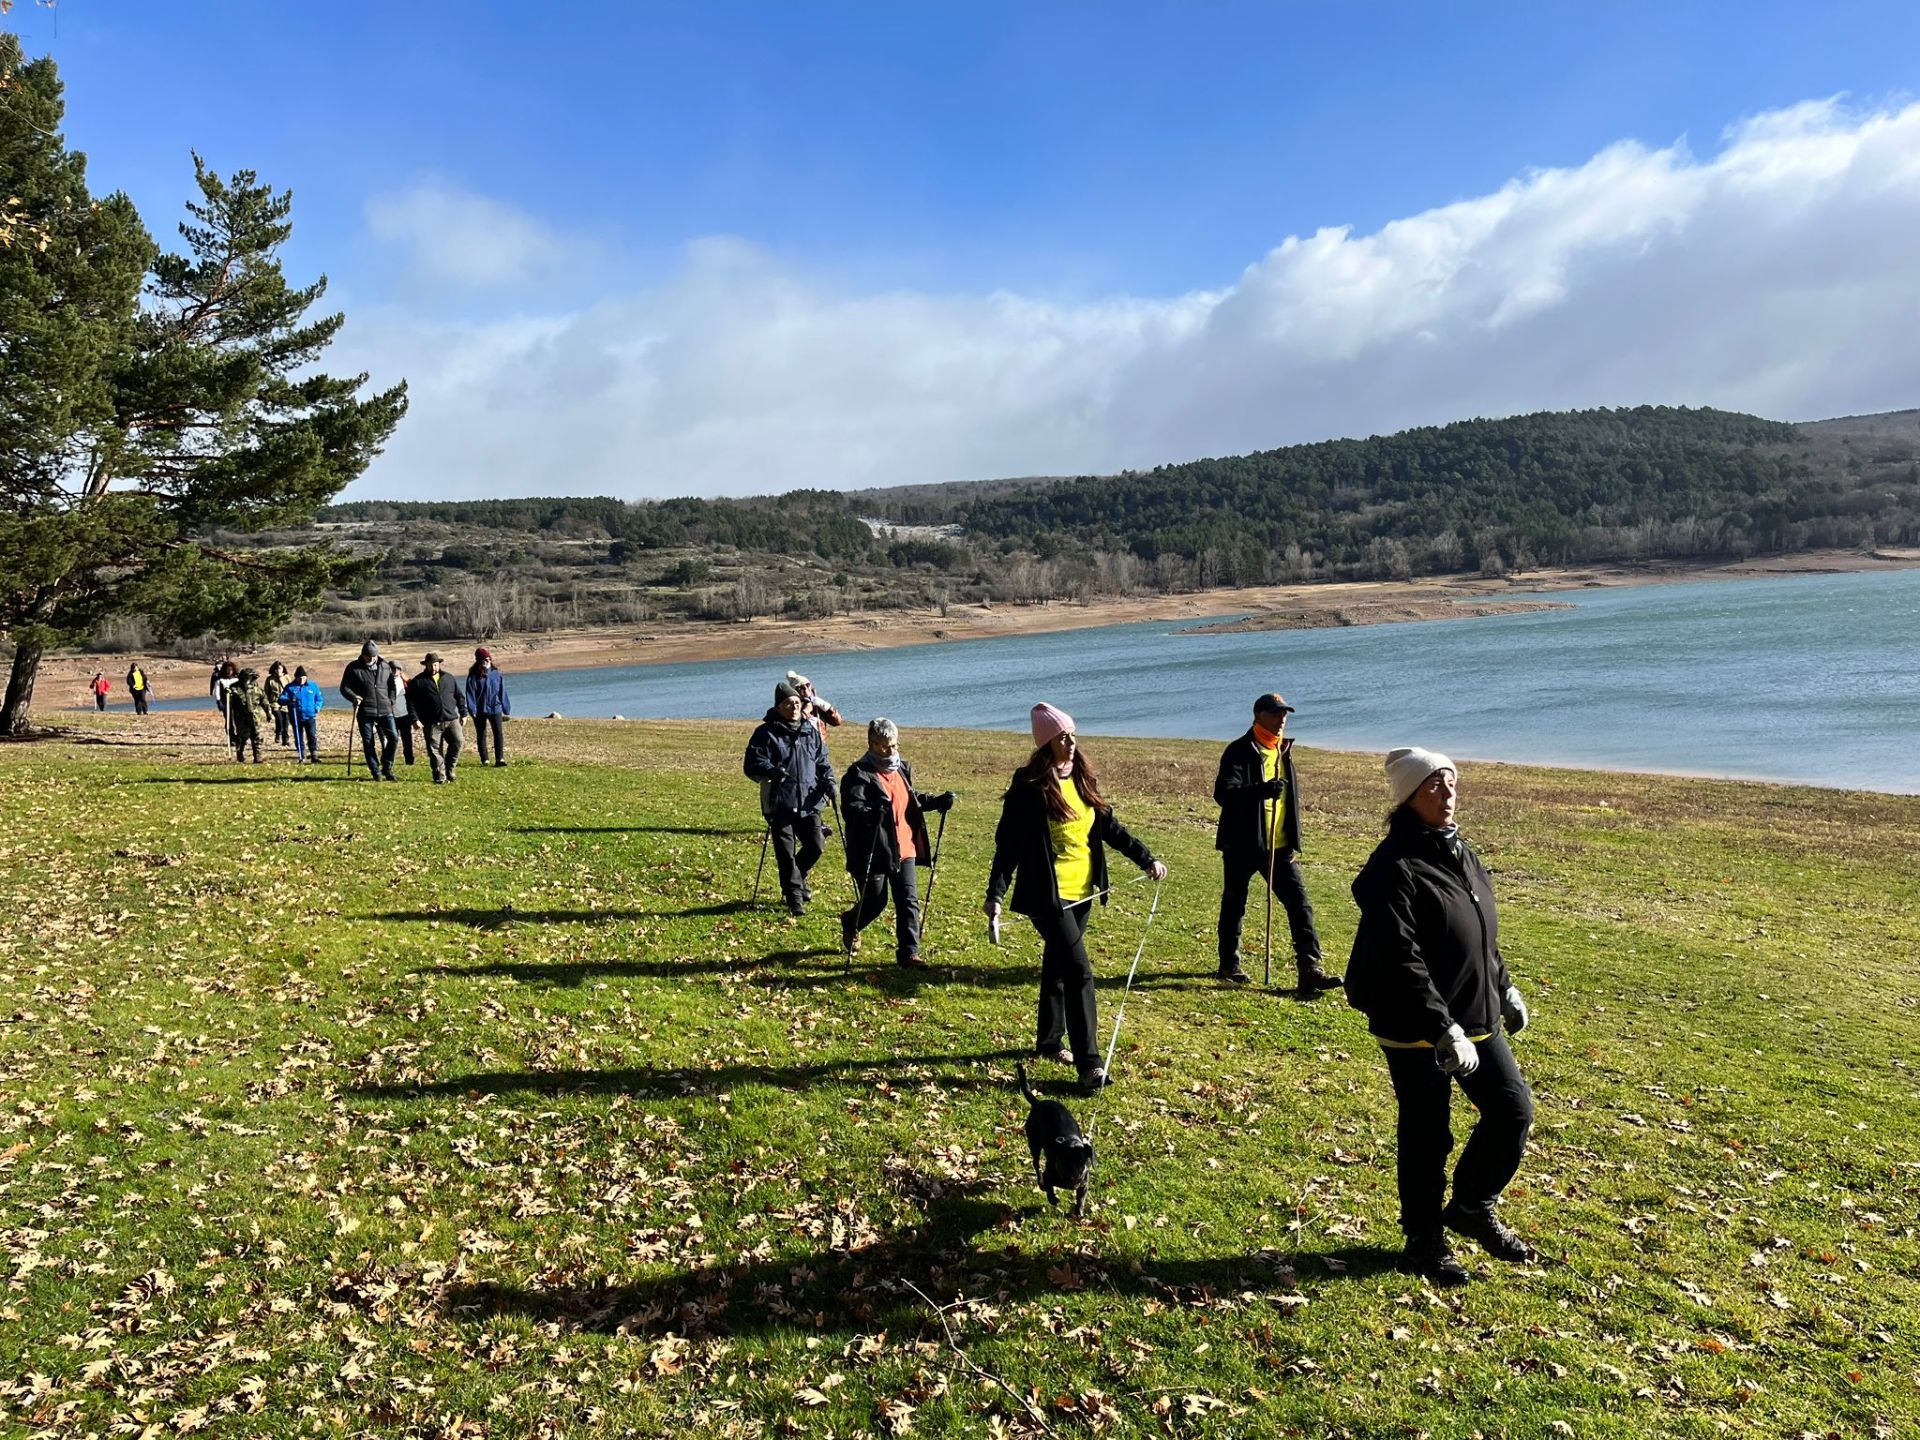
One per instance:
(1049, 721)
(784, 691)
(482, 653)
(1408, 768)
(796, 679)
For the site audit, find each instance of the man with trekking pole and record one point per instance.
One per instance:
(886, 843)
(788, 757)
(1259, 834)
(368, 685)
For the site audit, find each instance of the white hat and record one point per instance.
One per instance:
(1408, 768)
(796, 679)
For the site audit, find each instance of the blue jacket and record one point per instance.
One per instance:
(790, 762)
(303, 699)
(487, 692)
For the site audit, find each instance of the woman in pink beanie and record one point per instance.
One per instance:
(1050, 846)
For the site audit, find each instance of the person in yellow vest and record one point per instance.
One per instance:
(1259, 834)
(139, 687)
(1051, 847)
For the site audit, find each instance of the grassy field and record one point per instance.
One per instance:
(493, 1110)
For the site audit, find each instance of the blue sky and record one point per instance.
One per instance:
(521, 186)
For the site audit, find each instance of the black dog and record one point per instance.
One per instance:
(1054, 1134)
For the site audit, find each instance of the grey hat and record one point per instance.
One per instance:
(369, 650)
(784, 691)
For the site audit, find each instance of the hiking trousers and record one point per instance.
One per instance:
(1492, 1152)
(1067, 1005)
(903, 883)
(1241, 867)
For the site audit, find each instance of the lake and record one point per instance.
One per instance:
(1802, 678)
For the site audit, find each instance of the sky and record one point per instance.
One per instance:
(662, 249)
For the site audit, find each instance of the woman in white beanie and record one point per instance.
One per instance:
(1427, 971)
(1050, 846)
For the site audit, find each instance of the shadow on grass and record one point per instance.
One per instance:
(846, 1292)
(579, 972)
(498, 916)
(629, 830)
(665, 1081)
(303, 774)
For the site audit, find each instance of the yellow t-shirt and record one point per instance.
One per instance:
(1073, 849)
(1270, 810)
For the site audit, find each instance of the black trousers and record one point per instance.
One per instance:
(1067, 1005)
(1288, 888)
(797, 843)
(99, 701)
(904, 884)
(1492, 1152)
(480, 724)
(282, 724)
(406, 724)
(139, 702)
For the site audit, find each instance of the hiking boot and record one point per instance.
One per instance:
(849, 937)
(796, 907)
(1313, 979)
(1233, 975)
(913, 962)
(1055, 1052)
(1430, 1257)
(1480, 1224)
(1093, 1081)
(499, 764)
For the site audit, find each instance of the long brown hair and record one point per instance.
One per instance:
(1039, 771)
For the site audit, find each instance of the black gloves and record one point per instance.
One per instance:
(942, 802)
(1273, 789)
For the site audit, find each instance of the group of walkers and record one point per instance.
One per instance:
(388, 708)
(1425, 970)
(139, 688)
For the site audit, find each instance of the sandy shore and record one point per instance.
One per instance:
(64, 678)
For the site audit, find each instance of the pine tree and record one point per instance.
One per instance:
(148, 427)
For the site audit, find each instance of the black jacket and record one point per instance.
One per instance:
(369, 685)
(430, 704)
(1023, 852)
(1427, 954)
(790, 762)
(1238, 791)
(873, 845)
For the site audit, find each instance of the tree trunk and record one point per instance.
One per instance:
(19, 701)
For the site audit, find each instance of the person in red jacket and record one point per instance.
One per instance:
(100, 686)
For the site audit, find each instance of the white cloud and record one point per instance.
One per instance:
(1779, 275)
(455, 239)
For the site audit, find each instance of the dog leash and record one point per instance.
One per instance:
(1120, 1014)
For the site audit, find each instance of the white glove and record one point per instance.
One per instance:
(1513, 1010)
(1456, 1053)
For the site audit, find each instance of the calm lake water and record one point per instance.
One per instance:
(1806, 678)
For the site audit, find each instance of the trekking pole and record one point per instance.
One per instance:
(933, 874)
(766, 837)
(1133, 969)
(353, 728)
(1273, 827)
(860, 886)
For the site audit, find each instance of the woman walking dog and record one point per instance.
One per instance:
(1427, 971)
(1051, 846)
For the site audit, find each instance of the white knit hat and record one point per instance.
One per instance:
(796, 679)
(1408, 768)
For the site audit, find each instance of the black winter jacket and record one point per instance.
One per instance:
(1427, 955)
(369, 684)
(1023, 852)
(1239, 792)
(430, 704)
(873, 847)
(790, 762)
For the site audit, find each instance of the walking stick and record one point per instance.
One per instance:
(1273, 826)
(766, 837)
(933, 874)
(860, 885)
(353, 728)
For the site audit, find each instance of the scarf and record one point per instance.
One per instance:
(1264, 738)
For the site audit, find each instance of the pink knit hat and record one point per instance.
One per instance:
(1049, 722)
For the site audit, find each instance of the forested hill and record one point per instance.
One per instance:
(1487, 496)
(1538, 489)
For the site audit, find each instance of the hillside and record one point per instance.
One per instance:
(1485, 497)
(313, 1115)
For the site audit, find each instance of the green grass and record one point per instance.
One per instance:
(347, 1109)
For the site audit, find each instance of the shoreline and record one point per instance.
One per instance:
(64, 676)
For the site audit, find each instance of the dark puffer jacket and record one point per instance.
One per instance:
(873, 845)
(1240, 790)
(431, 704)
(789, 759)
(369, 684)
(1427, 955)
(1023, 852)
